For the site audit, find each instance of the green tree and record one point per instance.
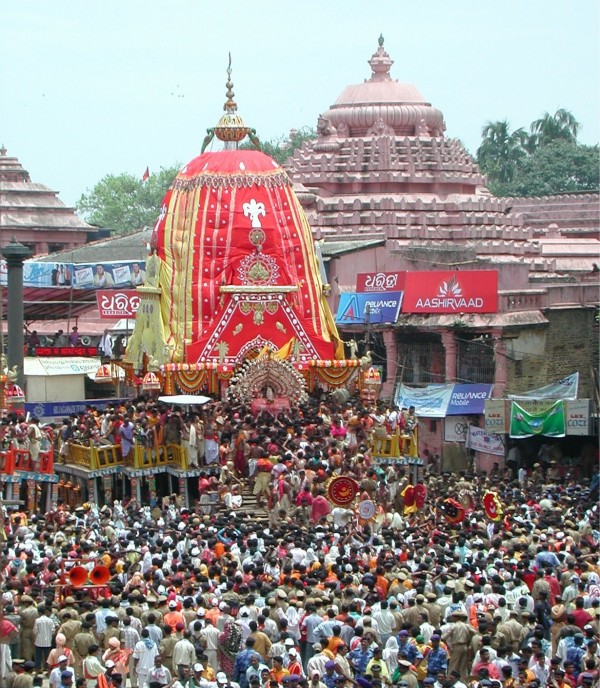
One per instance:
(124, 203)
(561, 126)
(501, 151)
(557, 167)
(282, 148)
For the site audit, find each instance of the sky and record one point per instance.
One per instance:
(90, 88)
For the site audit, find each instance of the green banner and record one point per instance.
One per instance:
(550, 422)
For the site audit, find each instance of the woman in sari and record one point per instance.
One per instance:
(230, 642)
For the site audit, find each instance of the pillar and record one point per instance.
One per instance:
(15, 253)
(500, 364)
(183, 491)
(391, 349)
(450, 348)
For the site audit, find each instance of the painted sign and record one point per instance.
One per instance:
(468, 399)
(375, 308)
(481, 440)
(468, 291)
(562, 389)
(577, 417)
(62, 351)
(549, 423)
(380, 281)
(496, 416)
(114, 304)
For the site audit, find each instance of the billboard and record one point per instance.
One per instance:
(114, 304)
(451, 292)
(380, 281)
(375, 308)
(119, 274)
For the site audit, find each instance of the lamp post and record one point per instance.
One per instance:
(15, 254)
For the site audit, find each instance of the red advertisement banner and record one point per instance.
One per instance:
(114, 304)
(380, 281)
(462, 291)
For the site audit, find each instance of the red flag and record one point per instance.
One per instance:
(146, 174)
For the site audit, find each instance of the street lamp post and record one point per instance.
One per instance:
(15, 254)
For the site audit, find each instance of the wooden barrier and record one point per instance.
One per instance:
(163, 455)
(396, 444)
(82, 455)
(14, 459)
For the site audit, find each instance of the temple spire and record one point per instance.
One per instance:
(230, 128)
(380, 63)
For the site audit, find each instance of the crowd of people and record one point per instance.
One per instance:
(302, 592)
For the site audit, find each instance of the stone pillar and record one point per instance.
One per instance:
(449, 344)
(391, 348)
(15, 253)
(500, 364)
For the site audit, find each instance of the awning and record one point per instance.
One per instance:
(58, 303)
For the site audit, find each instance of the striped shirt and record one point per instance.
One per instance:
(43, 630)
(130, 637)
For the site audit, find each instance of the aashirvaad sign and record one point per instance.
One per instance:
(454, 292)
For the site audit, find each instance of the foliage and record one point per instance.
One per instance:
(558, 167)
(124, 203)
(561, 126)
(548, 160)
(281, 148)
(501, 151)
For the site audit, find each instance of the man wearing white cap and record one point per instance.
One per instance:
(55, 675)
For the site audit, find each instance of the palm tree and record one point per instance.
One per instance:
(501, 150)
(562, 126)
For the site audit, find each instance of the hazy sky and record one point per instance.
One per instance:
(90, 87)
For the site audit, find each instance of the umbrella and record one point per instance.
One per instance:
(185, 399)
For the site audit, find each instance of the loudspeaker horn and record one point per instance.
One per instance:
(99, 575)
(78, 576)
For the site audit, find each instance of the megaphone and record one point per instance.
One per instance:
(78, 576)
(99, 575)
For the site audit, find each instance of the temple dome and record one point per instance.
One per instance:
(382, 105)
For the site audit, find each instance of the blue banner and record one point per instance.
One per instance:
(468, 399)
(375, 308)
(63, 409)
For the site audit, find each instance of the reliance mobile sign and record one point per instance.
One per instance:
(468, 291)
(375, 308)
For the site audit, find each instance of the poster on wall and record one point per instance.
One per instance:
(455, 428)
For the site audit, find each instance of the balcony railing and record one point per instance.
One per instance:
(106, 456)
